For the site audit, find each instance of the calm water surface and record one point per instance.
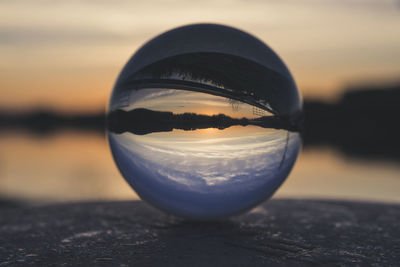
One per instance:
(76, 166)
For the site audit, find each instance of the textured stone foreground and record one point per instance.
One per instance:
(284, 232)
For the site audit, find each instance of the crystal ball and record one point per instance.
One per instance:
(204, 121)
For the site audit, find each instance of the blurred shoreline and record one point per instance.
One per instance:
(362, 123)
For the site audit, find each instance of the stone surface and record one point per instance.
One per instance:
(284, 232)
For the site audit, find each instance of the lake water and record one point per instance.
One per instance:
(78, 166)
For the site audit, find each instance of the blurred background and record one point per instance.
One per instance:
(59, 61)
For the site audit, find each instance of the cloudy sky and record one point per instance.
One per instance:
(67, 54)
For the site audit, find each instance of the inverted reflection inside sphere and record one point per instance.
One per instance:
(203, 121)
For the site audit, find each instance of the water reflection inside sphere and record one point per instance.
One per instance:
(196, 142)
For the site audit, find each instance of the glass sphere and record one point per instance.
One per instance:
(204, 121)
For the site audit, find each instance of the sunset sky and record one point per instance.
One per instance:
(66, 55)
(183, 101)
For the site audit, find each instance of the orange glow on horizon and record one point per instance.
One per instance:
(66, 57)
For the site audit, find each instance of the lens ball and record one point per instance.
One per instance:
(204, 121)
